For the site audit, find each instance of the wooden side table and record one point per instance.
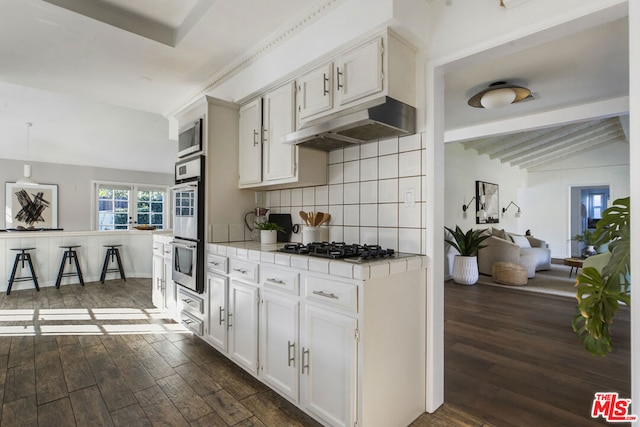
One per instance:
(573, 263)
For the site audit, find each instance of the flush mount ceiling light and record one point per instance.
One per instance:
(499, 94)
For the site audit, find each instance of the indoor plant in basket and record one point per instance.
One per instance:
(589, 240)
(465, 265)
(268, 231)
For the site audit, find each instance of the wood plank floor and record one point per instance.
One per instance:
(512, 359)
(102, 355)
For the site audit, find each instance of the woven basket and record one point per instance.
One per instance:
(507, 273)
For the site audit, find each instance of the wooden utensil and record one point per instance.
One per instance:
(325, 217)
(304, 217)
(318, 218)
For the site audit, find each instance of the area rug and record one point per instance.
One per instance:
(555, 282)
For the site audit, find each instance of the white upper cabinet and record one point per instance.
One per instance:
(315, 92)
(279, 119)
(359, 72)
(250, 143)
(381, 66)
(265, 161)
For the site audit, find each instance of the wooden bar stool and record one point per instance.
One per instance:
(22, 256)
(69, 254)
(113, 255)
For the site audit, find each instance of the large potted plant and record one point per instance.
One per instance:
(589, 239)
(465, 265)
(599, 292)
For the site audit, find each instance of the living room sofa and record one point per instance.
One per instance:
(503, 246)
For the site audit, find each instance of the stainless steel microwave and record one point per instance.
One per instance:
(190, 139)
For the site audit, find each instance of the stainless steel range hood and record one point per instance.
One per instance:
(379, 119)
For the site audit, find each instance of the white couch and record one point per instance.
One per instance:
(502, 246)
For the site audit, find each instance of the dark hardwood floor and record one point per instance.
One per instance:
(102, 355)
(512, 359)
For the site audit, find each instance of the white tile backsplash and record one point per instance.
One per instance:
(366, 193)
(388, 166)
(351, 171)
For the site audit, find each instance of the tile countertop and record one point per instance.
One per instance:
(254, 251)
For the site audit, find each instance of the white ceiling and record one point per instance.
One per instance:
(128, 77)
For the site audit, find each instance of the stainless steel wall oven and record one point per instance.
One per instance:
(189, 224)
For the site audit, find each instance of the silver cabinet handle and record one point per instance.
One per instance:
(291, 358)
(255, 138)
(229, 320)
(187, 300)
(220, 316)
(303, 364)
(325, 80)
(326, 295)
(240, 270)
(264, 135)
(214, 263)
(276, 281)
(340, 86)
(187, 321)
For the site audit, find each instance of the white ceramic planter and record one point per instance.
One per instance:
(465, 270)
(268, 236)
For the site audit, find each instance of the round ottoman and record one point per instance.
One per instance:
(507, 273)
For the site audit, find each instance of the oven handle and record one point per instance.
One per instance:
(182, 245)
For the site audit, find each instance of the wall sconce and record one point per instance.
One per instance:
(465, 207)
(518, 214)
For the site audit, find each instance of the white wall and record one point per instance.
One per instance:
(462, 169)
(543, 194)
(74, 187)
(549, 191)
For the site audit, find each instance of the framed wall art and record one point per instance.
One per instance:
(487, 203)
(31, 206)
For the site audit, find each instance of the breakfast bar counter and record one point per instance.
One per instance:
(47, 254)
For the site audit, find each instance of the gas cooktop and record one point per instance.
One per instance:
(339, 250)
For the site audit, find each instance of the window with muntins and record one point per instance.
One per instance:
(122, 206)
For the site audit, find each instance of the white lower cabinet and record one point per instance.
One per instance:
(279, 349)
(242, 318)
(157, 292)
(328, 364)
(170, 293)
(347, 352)
(218, 288)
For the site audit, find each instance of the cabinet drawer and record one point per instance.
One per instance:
(243, 269)
(338, 294)
(158, 249)
(188, 301)
(192, 322)
(217, 263)
(280, 279)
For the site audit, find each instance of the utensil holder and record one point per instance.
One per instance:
(313, 234)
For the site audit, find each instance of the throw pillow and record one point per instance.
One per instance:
(520, 240)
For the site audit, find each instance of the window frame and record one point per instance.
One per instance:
(133, 189)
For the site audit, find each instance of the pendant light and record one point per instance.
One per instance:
(499, 94)
(26, 179)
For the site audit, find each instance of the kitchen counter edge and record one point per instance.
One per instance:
(254, 251)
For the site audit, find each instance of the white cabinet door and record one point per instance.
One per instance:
(315, 91)
(157, 292)
(328, 364)
(279, 343)
(250, 144)
(218, 287)
(242, 321)
(170, 294)
(278, 158)
(359, 72)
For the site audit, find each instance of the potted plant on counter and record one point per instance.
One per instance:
(268, 231)
(465, 265)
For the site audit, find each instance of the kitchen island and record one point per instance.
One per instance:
(47, 255)
(343, 341)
